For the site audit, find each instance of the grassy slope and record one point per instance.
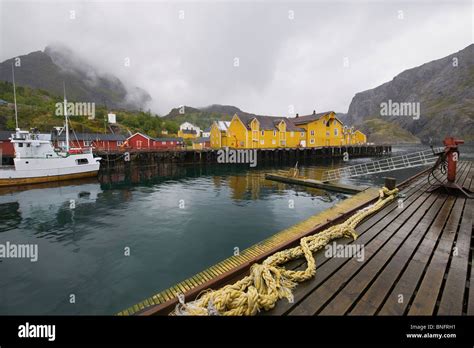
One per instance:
(385, 132)
(36, 108)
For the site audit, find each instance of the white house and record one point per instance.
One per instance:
(186, 126)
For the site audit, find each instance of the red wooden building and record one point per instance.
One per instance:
(97, 141)
(6, 147)
(139, 141)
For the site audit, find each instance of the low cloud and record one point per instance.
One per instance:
(291, 56)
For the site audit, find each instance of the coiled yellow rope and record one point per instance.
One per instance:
(270, 281)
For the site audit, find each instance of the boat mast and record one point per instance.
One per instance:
(65, 119)
(14, 97)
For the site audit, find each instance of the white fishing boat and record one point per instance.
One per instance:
(38, 161)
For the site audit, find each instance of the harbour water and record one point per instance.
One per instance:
(107, 243)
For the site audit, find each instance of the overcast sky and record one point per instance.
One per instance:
(292, 56)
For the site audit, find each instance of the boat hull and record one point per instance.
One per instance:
(44, 179)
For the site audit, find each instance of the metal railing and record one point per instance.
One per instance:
(416, 159)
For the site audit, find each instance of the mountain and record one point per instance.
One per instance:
(444, 89)
(48, 70)
(204, 116)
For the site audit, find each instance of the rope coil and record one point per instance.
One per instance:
(269, 281)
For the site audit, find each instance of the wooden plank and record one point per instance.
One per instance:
(416, 186)
(411, 231)
(375, 295)
(452, 299)
(399, 298)
(318, 298)
(426, 296)
(453, 292)
(327, 266)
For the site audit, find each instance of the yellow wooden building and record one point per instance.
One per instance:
(253, 132)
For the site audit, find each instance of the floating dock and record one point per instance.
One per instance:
(329, 186)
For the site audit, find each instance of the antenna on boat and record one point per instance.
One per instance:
(65, 118)
(14, 96)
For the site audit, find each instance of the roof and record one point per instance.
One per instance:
(3, 101)
(167, 139)
(92, 137)
(222, 125)
(309, 118)
(207, 130)
(201, 140)
(270, 122)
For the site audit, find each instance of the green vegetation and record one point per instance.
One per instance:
(36, 108)
(386, 132)
(199, 118)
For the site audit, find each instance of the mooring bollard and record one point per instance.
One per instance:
(390, 183)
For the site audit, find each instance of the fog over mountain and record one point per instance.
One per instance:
(59, 66)
(264, 57)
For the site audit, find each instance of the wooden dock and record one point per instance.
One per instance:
(417, 259)
(264, 156)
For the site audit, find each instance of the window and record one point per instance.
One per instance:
(335, 131)
(87, 143)
(273, 142)
(82, 161)
(241, 143)
(255, 135)
(292, 134)
(312, 132)
(327, 134)
(274, 133)
(20, 144)
(28, 144)
(262, 142)
(119, 143)
(302, 134)
(139, 143)
(311, 141)
(163, 143)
